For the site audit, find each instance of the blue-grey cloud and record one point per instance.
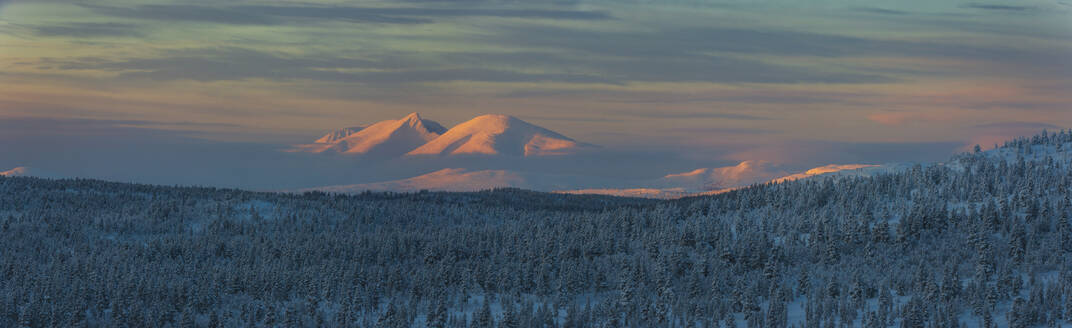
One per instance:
(640, 67)
(84, 30)
(379, 77)
(997, 7)
(358, 13)
(455, 2)
(66, 127)
(574, 55)
(883, 11)
(272, 15)
(723, 69)
(703, 52)
(216, 64)
(660, 97)
(265, 66)
(189, 13)
(680, 43)
(694, 43)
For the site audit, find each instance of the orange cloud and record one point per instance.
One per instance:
(890, 118)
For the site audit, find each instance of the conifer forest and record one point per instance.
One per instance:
(982, 240)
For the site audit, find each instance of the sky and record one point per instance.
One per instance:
(208, 92)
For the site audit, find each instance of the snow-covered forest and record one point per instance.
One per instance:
(984, 240)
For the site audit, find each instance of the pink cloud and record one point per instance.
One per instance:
(890, 118)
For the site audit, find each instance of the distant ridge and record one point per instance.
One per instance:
(704, 181)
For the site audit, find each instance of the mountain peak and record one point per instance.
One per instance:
(339, 134)
(489, 134)
(496, 134)
(412, 117)
(384, 138)
(495, 118)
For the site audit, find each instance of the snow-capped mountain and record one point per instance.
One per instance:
(717, 178)
(337, 135)
(328, 141)
(499, 135)
(385, 138)
(414, 136)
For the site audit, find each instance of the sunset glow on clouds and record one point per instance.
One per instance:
(713, 81)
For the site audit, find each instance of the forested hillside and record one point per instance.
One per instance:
(983, 240)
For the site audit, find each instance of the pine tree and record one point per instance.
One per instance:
(510, 317)
(1018, 243)
(187, 319)
(803, 283)
(777, 313)
(1016, 315)
(885, 306)
(483, 318)
(437, 317)
(391, 318)
(988, 319)
(1064, 233)
(214, 319)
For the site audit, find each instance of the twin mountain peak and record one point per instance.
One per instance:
(414, 136)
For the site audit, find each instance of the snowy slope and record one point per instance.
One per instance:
(716, 178)
(460, 179)
(830, 169)
(328, 141)
(1032, 153)
(453, 179)
(710, 181)
(385, 138)
(499, 135)
(697, 182)
(340, 134)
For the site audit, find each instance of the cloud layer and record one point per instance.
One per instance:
(710, 82)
